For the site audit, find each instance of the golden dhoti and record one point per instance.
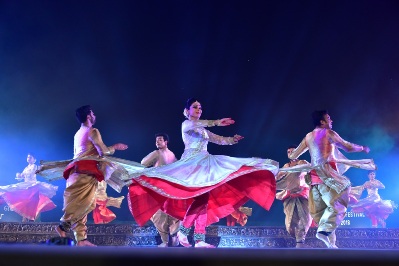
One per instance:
(297, 217)
(79, 201)
(165, 225)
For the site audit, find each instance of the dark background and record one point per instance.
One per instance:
(266, 64)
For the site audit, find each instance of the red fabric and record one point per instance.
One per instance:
(88, 167)
(315, 177)
(303, 194)
(230, 220)
(143, 202)
(101, 214)
(224, 197)
(313, 224)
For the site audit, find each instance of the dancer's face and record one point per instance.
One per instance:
(289, 151)
(327, 121)
(92, 118)
(30, 159)
(195, 110)
(372, 175)
(160, 142)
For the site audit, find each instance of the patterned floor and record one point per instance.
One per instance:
(130, 235)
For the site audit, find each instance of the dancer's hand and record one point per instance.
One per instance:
(236, 138)
(120, 146)
(366, 149)
(39, 169)
(225, 122)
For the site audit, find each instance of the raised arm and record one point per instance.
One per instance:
(378, 184)
(281, 174)
(191, 128)
(191, 125)
(301, 149)
(150, 159)
(346, 145)
(102, 149)
(374, 184)
(214, 138)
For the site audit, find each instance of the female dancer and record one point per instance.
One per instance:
(30, 197)
(376, 209)
(201, 188)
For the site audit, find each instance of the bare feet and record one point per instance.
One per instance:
(332, 238)
(382, 223)
(203, 244)
(183, 240)
(85, 243)
(60, 232)
(324, 238)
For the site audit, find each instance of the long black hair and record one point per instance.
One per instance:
(189, 102)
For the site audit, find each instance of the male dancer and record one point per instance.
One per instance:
(329, 192)
(165, 224)
(294, 193)
(83, 175)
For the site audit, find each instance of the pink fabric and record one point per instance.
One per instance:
(29, 202)
(197, 214)
(374, 210)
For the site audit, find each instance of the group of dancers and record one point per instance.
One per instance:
(199, 189)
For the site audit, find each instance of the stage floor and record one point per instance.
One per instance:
(43, 254)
